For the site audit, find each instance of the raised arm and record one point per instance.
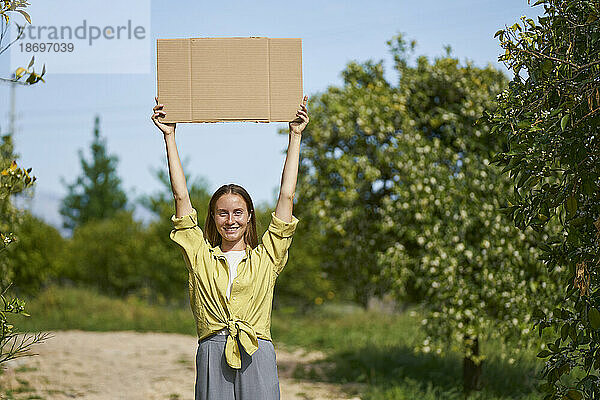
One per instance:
(285, 203)
(183, 206)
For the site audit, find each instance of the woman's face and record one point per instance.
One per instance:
(231, 217)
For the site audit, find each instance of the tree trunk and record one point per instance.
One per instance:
(471, 366)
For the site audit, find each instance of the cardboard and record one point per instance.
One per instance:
(229, 79)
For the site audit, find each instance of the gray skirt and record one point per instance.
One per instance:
(216, 380)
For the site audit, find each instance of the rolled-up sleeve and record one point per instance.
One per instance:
(188, 235)
(277, 240)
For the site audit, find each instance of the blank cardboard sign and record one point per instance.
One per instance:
(229, 79)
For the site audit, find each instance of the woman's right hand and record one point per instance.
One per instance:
(167, 128)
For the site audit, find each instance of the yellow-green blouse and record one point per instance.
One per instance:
(247, 313)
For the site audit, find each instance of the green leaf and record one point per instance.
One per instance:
(524, 176)
(27, 17)
(555, 112)
(31, 62)
(544, 354)
(573, 333)
(594, 317)
(564, 121)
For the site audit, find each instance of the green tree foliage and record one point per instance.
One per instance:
(303, 284)
(97, 193)
(396, 181)
(133, 258)
(35, 260)
(13, 180)
(549, 116)
(108, 254)
(343, 167)
(478, 275)
(167, 271)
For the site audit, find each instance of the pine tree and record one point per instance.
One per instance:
(97, 193)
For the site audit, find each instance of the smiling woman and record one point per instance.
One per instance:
(231, 221)
(231, 276)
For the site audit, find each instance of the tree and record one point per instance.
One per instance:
(549, 117)
(117, 265)
(34, 262)
(397, 180)
(345, 164)
(13, 180)
(303, 284)
(166, 273)
(96, 194)
(477, 275)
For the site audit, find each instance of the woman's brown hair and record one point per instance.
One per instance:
(210, 228)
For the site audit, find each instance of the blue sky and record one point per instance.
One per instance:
(55, 119)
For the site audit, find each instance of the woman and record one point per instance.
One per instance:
(231, 277)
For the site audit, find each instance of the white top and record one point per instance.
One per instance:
(233, 259)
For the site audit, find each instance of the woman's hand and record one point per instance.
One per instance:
(298, 125)
(167, 128)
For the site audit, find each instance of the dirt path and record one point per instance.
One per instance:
(131, 365)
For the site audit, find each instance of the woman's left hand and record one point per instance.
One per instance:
(298, 125)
